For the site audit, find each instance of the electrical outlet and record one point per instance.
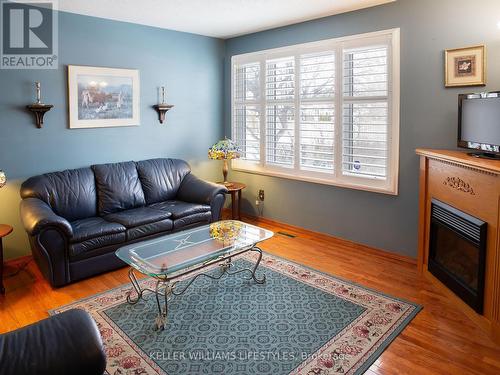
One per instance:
(261, 195)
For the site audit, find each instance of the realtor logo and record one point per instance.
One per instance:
(28, 34)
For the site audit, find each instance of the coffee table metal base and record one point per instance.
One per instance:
(166, 287)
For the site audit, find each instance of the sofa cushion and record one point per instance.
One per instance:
(93, 233)
(196, 219)
(94, 227)
(161, 178)
(78, 248)
(71, 193)
(180, 209)
(138, 216)
(118, 187)
(149, 229)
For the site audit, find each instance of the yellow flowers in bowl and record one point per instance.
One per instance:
(225, 231)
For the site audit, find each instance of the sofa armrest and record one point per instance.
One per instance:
(196, 190)
(37, 215)
(66, 343)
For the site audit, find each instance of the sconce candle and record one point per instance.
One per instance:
(38, 87)
(3, 179)
(163, 95)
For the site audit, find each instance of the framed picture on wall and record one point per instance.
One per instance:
(465, 66)
(103, 97)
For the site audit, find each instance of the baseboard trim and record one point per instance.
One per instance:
(327, 237)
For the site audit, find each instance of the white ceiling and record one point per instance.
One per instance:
(216, 18)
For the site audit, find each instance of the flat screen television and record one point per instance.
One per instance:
(479, 124)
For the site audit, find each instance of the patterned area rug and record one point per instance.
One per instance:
(300, 321)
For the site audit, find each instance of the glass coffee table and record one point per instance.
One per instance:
(170, 257)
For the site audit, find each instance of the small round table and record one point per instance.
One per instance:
(234, 189)
(5, 230)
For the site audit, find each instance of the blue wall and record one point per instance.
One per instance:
(428, 115)
(190, 66)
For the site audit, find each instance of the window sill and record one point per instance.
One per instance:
(382, 188)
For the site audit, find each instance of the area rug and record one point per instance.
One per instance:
(301, 321)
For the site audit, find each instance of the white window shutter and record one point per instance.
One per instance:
(280, 112)
(246, 112)
(247, 82)
(317, 112)
(365, 119)
(317, 75)
(246, 131)
(365, 72)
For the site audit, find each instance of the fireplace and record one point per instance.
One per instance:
(457, 252)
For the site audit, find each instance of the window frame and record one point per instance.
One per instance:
(389, 37)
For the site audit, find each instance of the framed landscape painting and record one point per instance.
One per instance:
(103, 97)
(465, 66)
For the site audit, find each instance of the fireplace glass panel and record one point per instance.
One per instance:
(457, 255)
(457, 252)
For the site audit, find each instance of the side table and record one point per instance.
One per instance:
(235, 189)
(5, 230)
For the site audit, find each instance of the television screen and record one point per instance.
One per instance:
(480, 123)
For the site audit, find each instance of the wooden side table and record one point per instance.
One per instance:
(5, 230)
(235, 190)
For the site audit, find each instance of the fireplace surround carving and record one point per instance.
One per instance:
(459, 184)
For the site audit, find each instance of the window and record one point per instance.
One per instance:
(326, 112)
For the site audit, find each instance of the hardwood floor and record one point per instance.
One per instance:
(440, 340)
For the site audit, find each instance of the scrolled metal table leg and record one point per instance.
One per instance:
(161, 318)
(136, 287)
(254, 276)
(224, 266)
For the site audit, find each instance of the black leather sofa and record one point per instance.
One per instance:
(76, 219)
(64, 344)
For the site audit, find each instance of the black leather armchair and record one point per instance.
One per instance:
(66, 343)
(76, 219)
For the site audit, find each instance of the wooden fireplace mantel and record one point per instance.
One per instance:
(472, 185)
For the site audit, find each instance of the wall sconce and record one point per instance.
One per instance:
(38, 108)
(162, 108)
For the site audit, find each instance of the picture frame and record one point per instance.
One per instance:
(101, 97)
(465, 66)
